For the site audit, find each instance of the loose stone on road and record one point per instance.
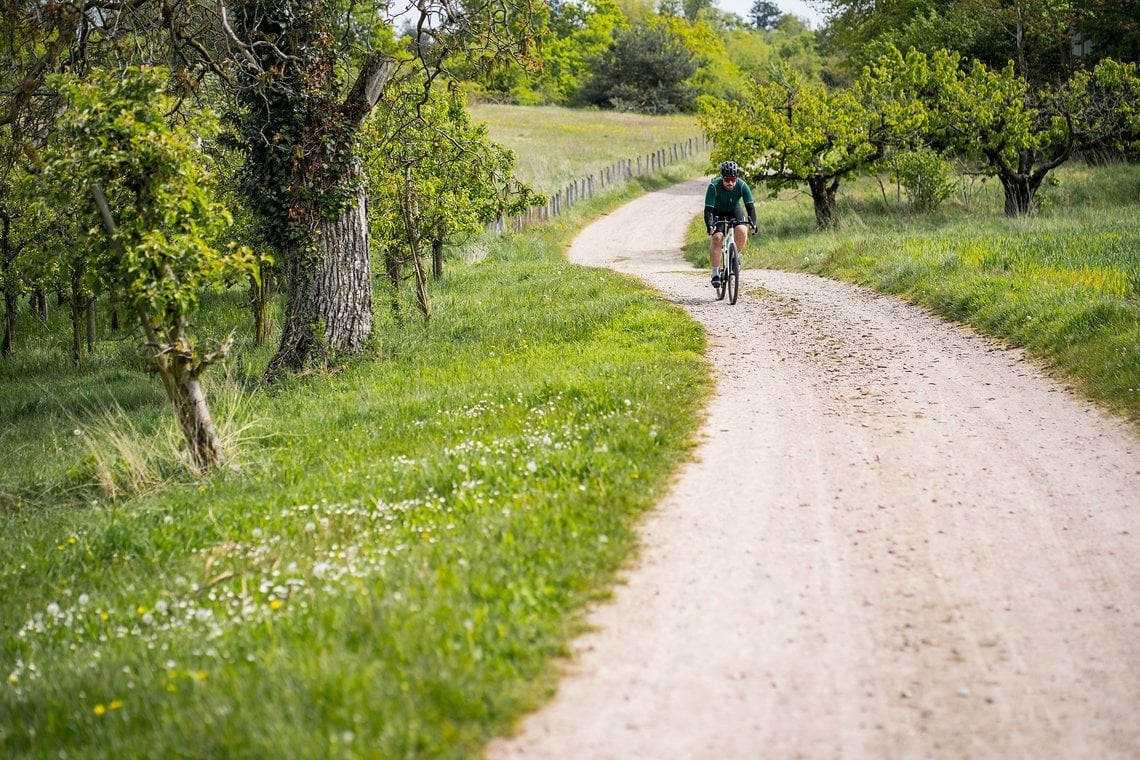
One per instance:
(896, 539)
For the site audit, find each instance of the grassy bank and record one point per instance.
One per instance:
(557, 145)
(398, 560)
(1064, 283)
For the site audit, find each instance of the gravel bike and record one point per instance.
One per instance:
(730, 262)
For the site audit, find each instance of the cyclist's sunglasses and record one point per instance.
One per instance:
(729, 180)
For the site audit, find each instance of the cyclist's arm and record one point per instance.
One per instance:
(749, 204)
(710, 201)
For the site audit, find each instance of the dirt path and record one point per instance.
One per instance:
(899, 541)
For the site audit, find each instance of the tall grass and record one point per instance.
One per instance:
(1064, 282)
(400, 557)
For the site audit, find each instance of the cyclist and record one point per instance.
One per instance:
(723, 201)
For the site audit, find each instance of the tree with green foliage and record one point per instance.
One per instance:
(579, 32)
(1046, 39)
(790, 131)
(645, 69)
(146, 184)
(765, 15)
(1023, 133)
(432, 175)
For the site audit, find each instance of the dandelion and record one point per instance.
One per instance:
(115, 704)
(100, 709)
(531, 466)
(275, 604)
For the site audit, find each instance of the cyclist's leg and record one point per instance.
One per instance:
(715, 246)
(714, 249)
(740, 230)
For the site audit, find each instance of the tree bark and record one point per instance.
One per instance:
(76, 304)
(262, 291)
(823, 197)
(89, 318)
(10, 292)
(437, 259)
(1020, 191)
(180, 378)
(329, 308)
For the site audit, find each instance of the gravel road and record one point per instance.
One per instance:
(897, 540)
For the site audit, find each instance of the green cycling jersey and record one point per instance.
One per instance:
(722, 201)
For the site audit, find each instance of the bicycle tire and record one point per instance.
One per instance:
(732, 274)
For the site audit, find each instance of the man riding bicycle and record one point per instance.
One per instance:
(723, 202)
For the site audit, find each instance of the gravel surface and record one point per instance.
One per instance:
(897, 540)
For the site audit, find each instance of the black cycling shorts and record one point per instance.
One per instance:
(738, 217)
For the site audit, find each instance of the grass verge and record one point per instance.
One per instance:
(1063, 283)
(403, 554)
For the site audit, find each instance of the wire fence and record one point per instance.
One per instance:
(614, 174)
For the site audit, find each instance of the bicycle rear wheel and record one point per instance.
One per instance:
(732, 273)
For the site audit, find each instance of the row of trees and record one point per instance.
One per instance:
(334, 136)
(792, 130)
(649, 57)
(1047, 40)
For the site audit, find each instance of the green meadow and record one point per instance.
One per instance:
(398, 555)
(404, 544)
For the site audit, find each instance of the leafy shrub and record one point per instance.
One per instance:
(926, 177)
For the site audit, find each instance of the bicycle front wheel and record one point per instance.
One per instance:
(732, 273)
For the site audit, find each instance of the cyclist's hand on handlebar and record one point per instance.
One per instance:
(712, 230)
(754, 229)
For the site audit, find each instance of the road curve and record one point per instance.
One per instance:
(897, 540)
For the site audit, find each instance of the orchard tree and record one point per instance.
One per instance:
(435, 177)
(144, 188)
(1022, 133)
(790, 131)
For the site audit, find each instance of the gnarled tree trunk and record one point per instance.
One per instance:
(823, 197)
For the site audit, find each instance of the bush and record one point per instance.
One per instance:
(925, 176)
(645, 69)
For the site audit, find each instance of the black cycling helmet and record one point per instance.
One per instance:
(729, 169)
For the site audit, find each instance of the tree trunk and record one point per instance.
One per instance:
(823, 196)
(9, 322)
(408, 202)
(262, 291)
(329, 309)
(76, 304)
(40, 304)
(394, 268)
(10, 292)
(1019, 192)
(437, 259)
(180, 378)
(89, 315)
